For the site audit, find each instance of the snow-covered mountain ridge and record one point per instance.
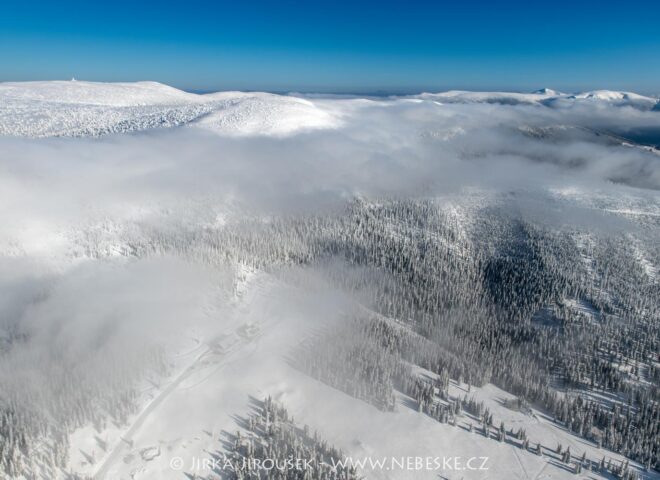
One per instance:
(79, 108)
(547, 97)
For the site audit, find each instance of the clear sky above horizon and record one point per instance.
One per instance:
(337, 46)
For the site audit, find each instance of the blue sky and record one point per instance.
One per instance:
(340, 46)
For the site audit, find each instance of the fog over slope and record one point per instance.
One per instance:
(164, 255)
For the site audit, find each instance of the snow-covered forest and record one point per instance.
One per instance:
(466, 274)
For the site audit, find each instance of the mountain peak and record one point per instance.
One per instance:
(546, 91)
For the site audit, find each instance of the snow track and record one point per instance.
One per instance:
(126, 439)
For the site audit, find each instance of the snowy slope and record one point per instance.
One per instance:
(96, 93)
(187, 417)
(46, 109)
(264, 114)
(77, 108)
(510, 98)
(613, 96)
(545, 96)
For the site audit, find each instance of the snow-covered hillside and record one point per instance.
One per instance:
(95, 93)
(78, 108)
(547, 97)
(454, 276)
